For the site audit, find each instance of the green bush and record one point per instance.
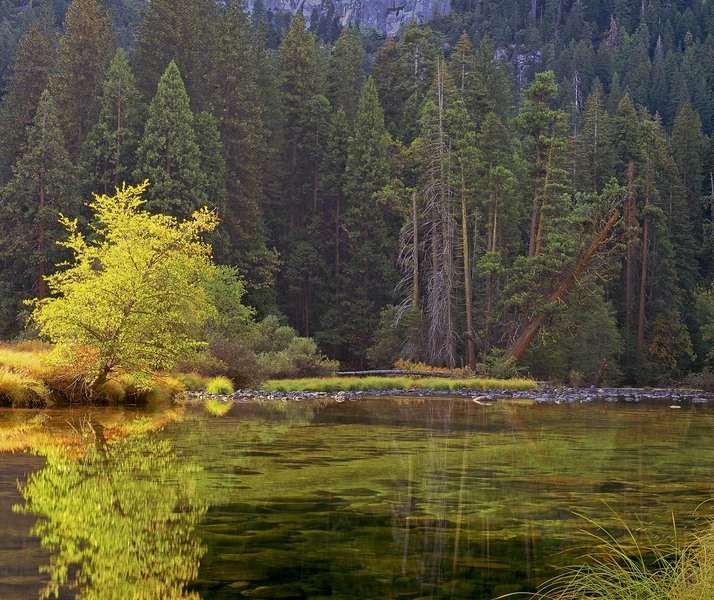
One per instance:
(220, 385)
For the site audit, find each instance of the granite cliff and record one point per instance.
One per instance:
(386, 16)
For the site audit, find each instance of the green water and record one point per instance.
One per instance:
(384, 498)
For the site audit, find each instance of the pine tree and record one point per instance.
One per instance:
(183, 31)
(346, 72)
(298, 84)
(501, 209)
(392, 88)
(86, 49)
(544, 128)
(34, 60)
(108, 154)
(688, 144)
(239, 107)
(417, 62)
(42, 186)
(211, 161)
(168, 154)
(370, 231)
(491, 88)
(594, 156)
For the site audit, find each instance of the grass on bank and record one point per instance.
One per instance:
(29, 379)
(355, 384)
(630, 570)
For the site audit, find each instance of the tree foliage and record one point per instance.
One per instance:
(133, 296)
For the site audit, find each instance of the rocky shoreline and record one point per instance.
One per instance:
(675, 398)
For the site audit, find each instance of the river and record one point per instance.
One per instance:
(372, 498)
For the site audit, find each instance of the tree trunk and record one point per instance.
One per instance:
(337, 238)
(643, 286)
(42, 290)
(541, 204)
(117, 153)
(630, 258)
(470, 334)
(519, 347)
(415, 251)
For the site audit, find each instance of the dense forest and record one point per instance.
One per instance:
(517, 184)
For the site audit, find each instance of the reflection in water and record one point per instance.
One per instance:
(382, 498)
(119, 522)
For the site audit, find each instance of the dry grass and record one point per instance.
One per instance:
(30, 376)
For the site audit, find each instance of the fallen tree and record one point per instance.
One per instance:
(599, 243)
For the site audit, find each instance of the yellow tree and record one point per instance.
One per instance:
(134, 297)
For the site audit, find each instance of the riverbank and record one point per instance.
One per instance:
(678, 398)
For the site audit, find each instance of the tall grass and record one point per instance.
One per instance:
(353, 384)
(630, 570)
(30, 377)
(21, 391)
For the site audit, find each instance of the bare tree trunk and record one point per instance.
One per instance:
(643, 285)
(117, 153)
(630, 258)
(42, 290)
(470, 334)
(644, 266)
(519, 347)
(535, 210)
(415, 251)
(338, 228)
(539, 217)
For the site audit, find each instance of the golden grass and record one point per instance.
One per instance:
(220, 385)
(20, 390)
(351, 384)
(30, 375)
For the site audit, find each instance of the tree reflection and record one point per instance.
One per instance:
(119, 522)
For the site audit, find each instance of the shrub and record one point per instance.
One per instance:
(220, 385)
(203, 362)
(497, 365)
(240, 362)
(576, 378)
(112, 391)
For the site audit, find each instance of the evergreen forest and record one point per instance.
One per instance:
(518, 185)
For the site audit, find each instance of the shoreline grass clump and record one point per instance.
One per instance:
(220, 385)
(366, 384)
(631, 570)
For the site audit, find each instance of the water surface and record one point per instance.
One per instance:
(382, 498)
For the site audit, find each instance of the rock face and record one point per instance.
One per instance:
(386, 16)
